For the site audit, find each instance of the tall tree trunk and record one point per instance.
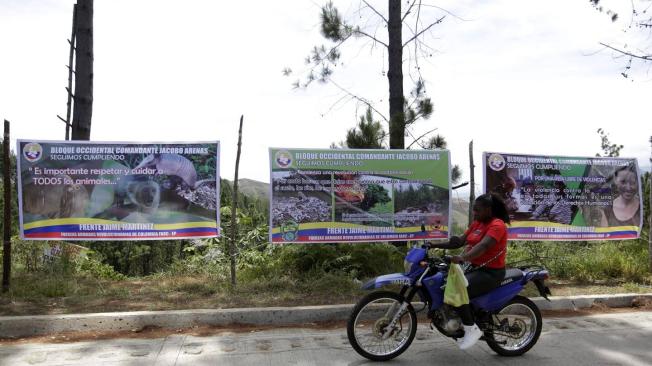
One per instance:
(395, 76)
(6, 234)
(234, 207)
(472, 190)
(83, 95)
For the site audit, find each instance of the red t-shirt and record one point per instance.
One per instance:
(496, 229)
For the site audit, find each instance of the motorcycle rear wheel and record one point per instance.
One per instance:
(521, 323)
(368, 326)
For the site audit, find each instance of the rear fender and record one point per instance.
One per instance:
(540, 274)
(538, 277)
(390, 279)
(544, 291)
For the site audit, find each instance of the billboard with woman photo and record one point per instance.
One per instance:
(567, 198)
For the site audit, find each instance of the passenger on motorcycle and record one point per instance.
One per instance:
(485, 244)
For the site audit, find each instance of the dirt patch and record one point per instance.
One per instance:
(151, 332)
(642, 303)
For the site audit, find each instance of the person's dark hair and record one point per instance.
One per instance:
(498, 207)
(629, 168)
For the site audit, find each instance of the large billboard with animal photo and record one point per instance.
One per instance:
(84, 190)
(359, 195)
(567, 198)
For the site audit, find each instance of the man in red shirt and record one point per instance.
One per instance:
(485, 244)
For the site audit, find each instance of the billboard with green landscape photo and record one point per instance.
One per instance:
(359, 195)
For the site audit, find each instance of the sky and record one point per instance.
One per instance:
(525, 77)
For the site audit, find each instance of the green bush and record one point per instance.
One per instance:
(357, 260)
(91, 266)
(586, 261)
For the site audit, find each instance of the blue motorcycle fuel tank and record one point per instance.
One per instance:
(390, 279)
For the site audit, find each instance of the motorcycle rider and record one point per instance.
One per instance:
(485, 243)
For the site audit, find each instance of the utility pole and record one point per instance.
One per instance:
(234, 207)
(649, 215)
(83, 96)
(6, 235)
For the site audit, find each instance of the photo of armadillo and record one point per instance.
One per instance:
(171, 165)
(180, 169)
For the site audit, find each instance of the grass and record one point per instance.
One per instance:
(165, 292)
(301, 275)
(173, 292)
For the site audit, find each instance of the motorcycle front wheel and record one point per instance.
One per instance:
(381, 326)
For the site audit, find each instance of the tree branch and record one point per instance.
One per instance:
(407, 12)
(415, 140)
(424, 30)
(376, 11)
(641, 57)
(446, 11)
(337, 46)
(372, 37)
(416, 46)
(422, 136)
(366, 102)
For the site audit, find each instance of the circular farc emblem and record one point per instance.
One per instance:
(496, 162)
(283, 159)
(33, 152)
(289, 230)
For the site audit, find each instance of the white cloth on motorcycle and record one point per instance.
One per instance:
(513, 273)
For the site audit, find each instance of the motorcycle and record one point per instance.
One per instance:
(383, 323)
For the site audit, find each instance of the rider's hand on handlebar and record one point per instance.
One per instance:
(457, 259)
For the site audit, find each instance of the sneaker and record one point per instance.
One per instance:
(471, 335)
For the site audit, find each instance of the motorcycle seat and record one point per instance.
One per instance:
(513, 274)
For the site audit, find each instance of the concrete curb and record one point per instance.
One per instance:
(24, 326)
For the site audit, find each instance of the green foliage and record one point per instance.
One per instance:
(138, 258)
(436, 142)
(439, 142)
(357, 260)
(421, 105)
(368, 134)
(608, 149)
(586, 262)
(322, 60)
(374, 193)
(332, 26)
(91, 266)
(412, 197)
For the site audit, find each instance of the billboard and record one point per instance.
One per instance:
(84, 190)
(358, 195)
(567, 198)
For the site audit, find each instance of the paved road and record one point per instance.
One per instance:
(608, 339)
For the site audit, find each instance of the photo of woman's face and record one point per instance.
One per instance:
(626, 184)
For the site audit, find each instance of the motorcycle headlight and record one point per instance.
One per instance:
(407, 266)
